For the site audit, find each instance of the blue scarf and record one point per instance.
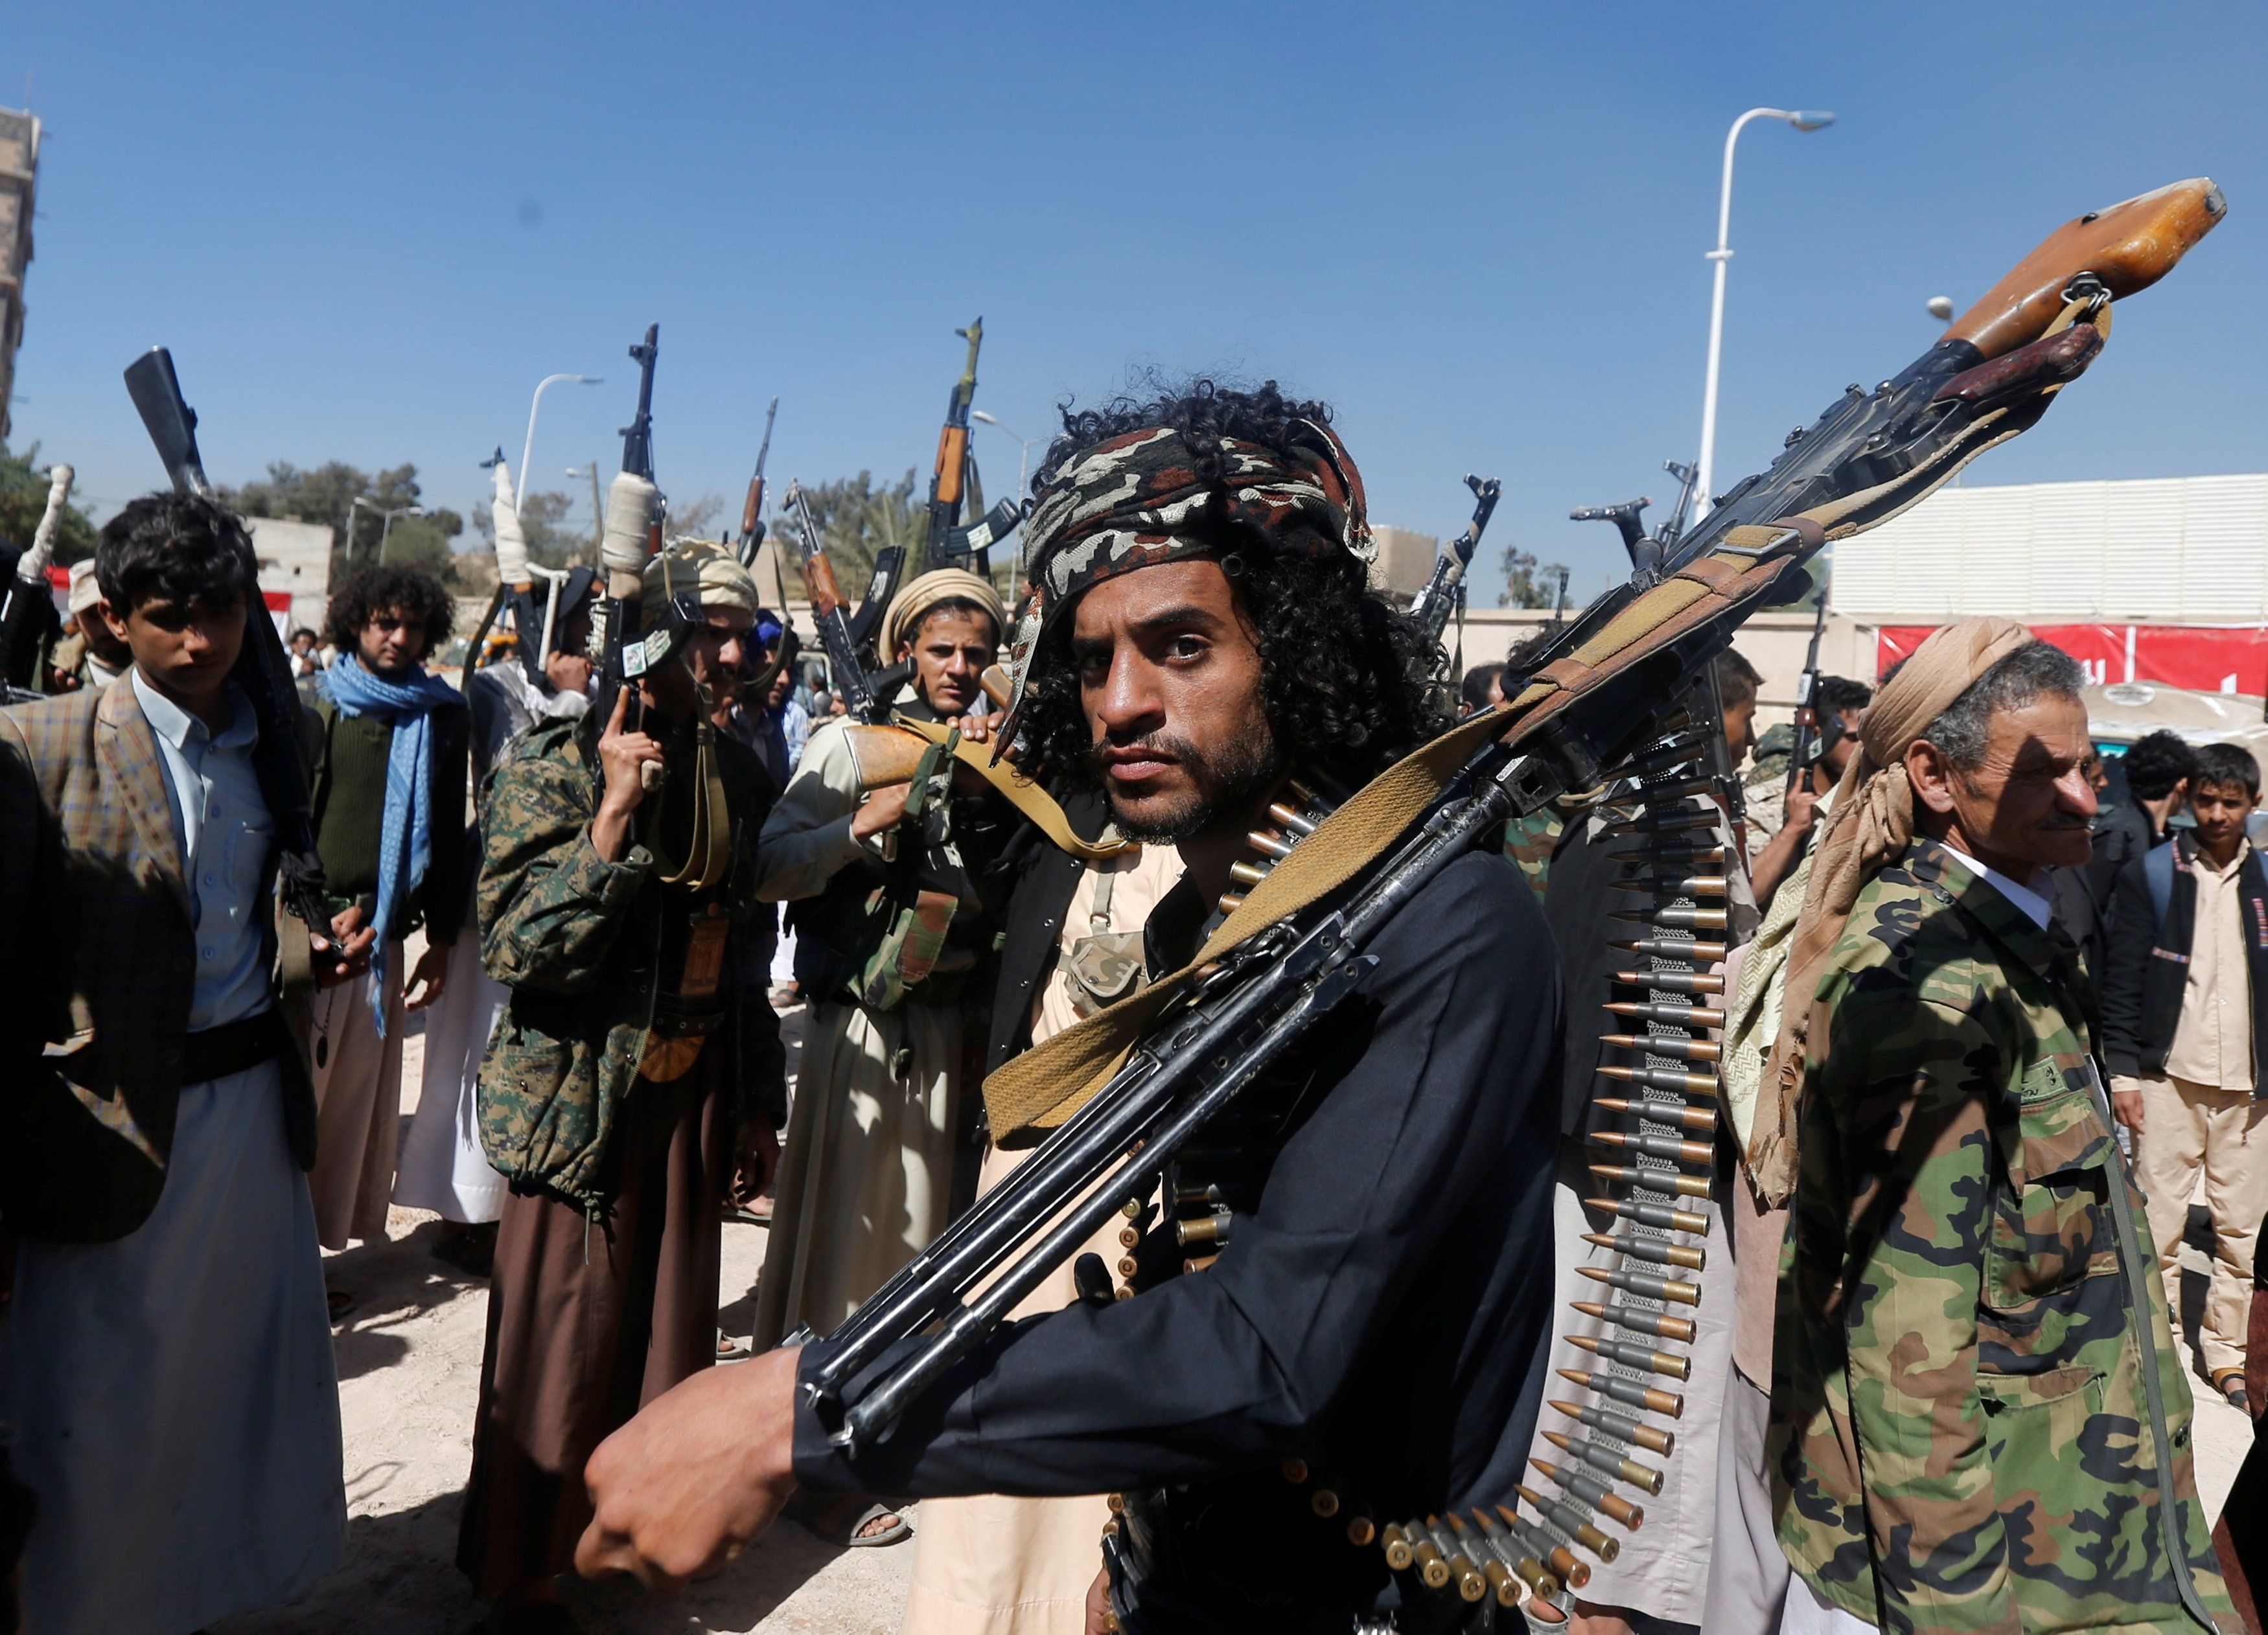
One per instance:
(405, 834)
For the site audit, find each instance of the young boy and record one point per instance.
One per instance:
(2186, 976)
(167, 1369)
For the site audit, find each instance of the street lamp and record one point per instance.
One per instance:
(386, 520)
(1802, 120)
(527, 449)
(1024, 469)
(598, 512)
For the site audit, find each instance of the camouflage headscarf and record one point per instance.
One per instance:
(1144, 499)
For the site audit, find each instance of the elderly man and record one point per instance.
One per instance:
(1205, 636)
(629, 1071)
(1979, 1421)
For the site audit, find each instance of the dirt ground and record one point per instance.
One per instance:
(409, 1364)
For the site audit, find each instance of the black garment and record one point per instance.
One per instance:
(1382, 1311)
(1579, 909)
(2124, 833)
(2146, 965)
(1035, 879)
(2079, 916)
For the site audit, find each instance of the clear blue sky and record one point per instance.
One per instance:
(367, 232)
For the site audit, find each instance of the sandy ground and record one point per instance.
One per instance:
(410, 1369)
(409, 1365)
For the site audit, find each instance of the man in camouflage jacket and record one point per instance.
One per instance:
(1980, 1420)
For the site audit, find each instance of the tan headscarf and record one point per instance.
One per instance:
(903, 616)
(687, 564)
(1873, 823)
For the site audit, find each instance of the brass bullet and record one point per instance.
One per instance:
(1619, 1425)
(1247, 874)
(1662, 1112)
(1197, 1264)
(1672, 1015)
(1432, 1566)
(1470, 1584)
(1132, 1209)
(1396, 1544)
(1614, 1388)
(1494, 1573)
(1649, 1214)
(1360, 1529)
(1570, 1520)
(1663, 852)
(1208, 1193)
(1128, 1236)
(1593, 1492)
(1690, 1256)
(1655, 1322)
(1563, 1562)
(1660, 1079)
(1214, 1228)
(1295, 1470)
(1324, 1501)
(1291, 818)
(1674, 982)
(1268, 843)
(1128, 1265)
(1671, 919)
(1664, 1044)
(1642, 1476)
(1653, 1146)
(1669, 1289)
(1654, 1180)
(1688, 886)
(1665, 1363)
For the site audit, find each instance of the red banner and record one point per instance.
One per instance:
(2203, 658)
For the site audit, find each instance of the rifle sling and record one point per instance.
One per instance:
(1046, 1084)
(1019, 791)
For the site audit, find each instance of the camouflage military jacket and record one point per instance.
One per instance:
(1979, 1421)
(576, 939)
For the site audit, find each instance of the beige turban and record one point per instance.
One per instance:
(699, 566)
(84, 593)
(1872, 824)
(904, 615)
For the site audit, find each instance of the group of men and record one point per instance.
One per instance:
(1952, 1401)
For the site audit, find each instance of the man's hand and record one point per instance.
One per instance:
(1802, 805)
(432, 971)
(1100, 1619)
(759, 1156)
(2126, 1107)
(351, 938)
(568, 672)
(884, 809)
(695, 1479)
(622, 755)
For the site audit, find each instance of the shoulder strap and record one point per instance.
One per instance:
(1026, 796)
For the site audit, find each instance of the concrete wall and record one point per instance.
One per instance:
(295, 556)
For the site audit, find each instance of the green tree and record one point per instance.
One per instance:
(327, 495)
(1526, 584)
(857, 520)
(23, 501)
(552, 541)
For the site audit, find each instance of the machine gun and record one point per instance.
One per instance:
(29, 609)
(1803, 753)
(1438, 599)
(1128, 1088)
(633, 534)
(263, 669)
(752, 509)
(831, 613)
(944, 540)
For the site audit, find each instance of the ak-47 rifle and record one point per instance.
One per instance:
(1804, 752)
(1195, 1040)
(831, 613)
(633, 534)
(263, 669)
(752, 509)
(1437, 600)
(945, 539)
(30, 604)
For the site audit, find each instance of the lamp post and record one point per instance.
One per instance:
(1023, 470)
(597, 515)
(1802, 120)
(527, 449)
(385, 518)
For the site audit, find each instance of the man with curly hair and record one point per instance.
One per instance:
(389, 777)
(1202, 636)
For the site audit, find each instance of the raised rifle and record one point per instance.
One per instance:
(752, 509)
(263, 670)
(1438, 599)
(30, 604)
(1296, 947)
(633, 534)
(831, 613)
(1803, 753)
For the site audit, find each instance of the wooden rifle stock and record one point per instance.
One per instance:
(2129, 247)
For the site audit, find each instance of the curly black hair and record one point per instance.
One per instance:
(175, 548)
(388, 587)
(1347, 682)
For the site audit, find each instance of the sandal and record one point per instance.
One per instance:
(341, 1303)
(730, 1350)
(2230, 1383)
(826, 1521)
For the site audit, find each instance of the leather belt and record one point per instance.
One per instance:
(231, 1048)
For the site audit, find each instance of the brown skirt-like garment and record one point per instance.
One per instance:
(590, 1319)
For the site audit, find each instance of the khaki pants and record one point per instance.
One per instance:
(2186, 1127)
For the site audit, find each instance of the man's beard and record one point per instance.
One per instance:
(1247, 768)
